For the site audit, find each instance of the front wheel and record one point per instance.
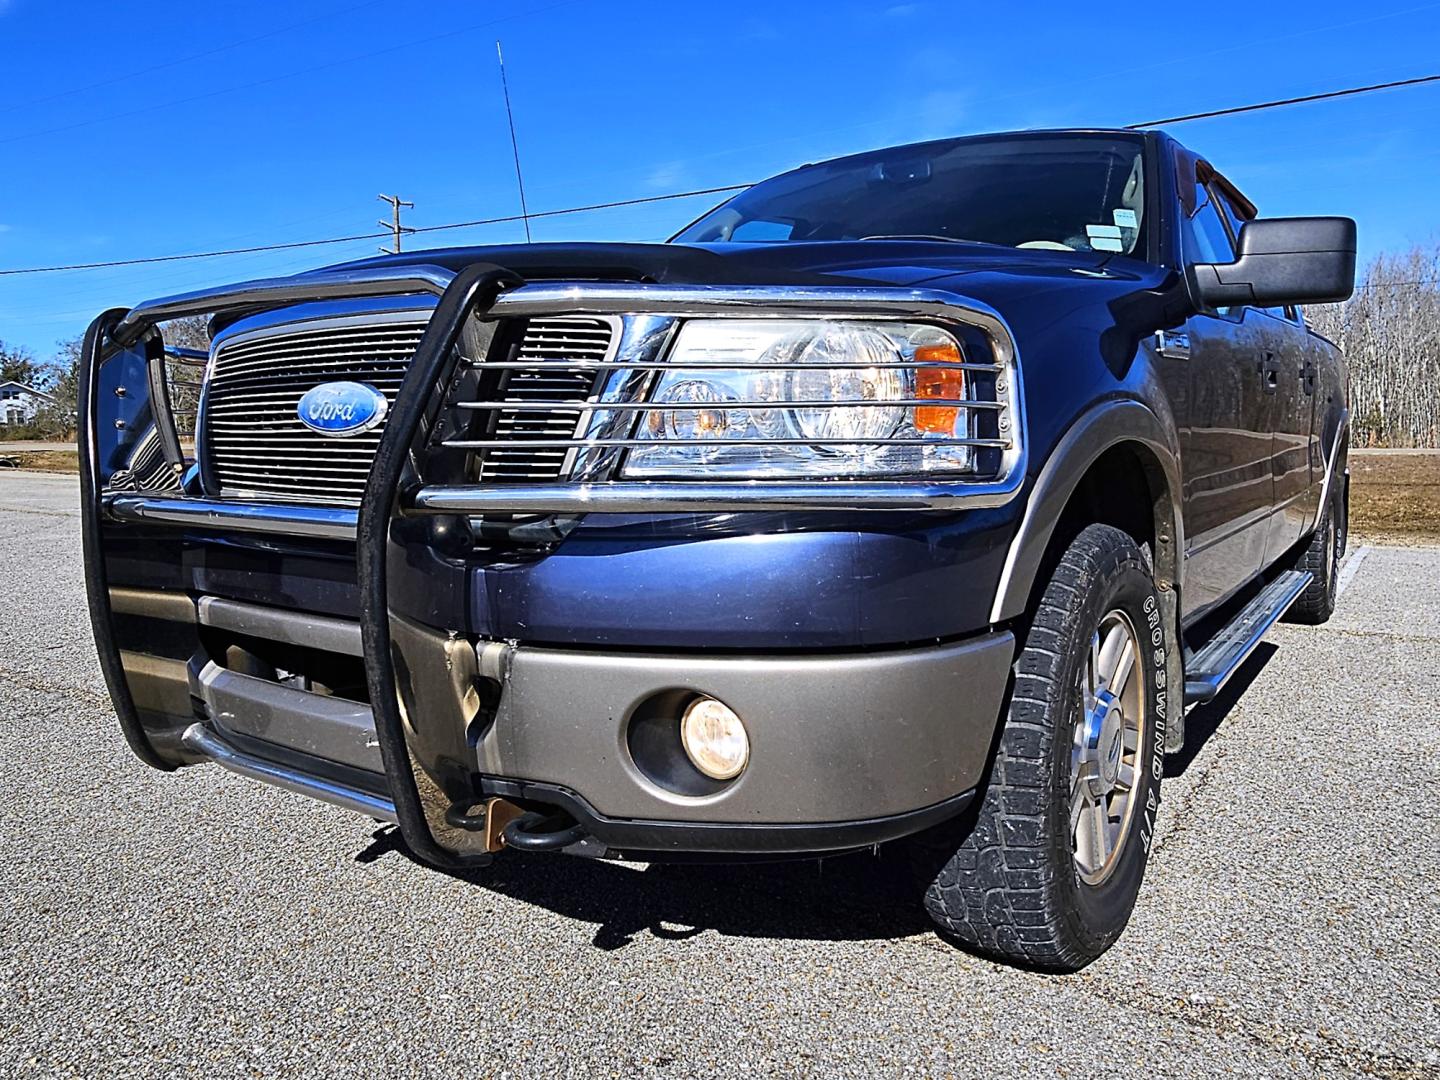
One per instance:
(1048, 872)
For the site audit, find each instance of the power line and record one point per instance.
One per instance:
(1326, 96)
(527, 217)
(371, 236)
(193, 255)
(586, 209)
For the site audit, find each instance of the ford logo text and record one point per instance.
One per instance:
(339, 409)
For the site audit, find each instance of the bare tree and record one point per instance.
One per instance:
(184, 378)
(1390, 332)
(56, 418)
(189, 333)
(61, 379)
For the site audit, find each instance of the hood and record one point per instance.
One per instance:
(1033, 290)
(903, 263)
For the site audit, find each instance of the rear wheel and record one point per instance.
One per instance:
(1047, 873)
(1321, 557)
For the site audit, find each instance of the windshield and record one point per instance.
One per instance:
(1061, 193)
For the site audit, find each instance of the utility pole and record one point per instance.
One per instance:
(396, 229)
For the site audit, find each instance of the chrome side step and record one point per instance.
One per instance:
(1210, 668)
(201, 740)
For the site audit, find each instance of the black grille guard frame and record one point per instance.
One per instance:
(406, 432)
(117, 330)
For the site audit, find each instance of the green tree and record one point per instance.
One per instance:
(18, 364)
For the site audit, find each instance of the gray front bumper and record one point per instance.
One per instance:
(846, 749)
(833, 738)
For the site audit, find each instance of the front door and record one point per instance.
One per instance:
(1229, 482)
(1227, 450)
(1288, 373)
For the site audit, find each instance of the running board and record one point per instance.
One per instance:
(1209, 669)
(199, 739)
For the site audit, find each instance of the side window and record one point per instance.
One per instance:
(1234, 219)
(1206, 236)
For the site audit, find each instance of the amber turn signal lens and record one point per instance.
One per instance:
(937, 382)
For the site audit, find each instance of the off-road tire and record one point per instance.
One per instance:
(1012, 890)
(1321, 557)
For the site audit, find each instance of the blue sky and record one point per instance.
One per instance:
(216, 125)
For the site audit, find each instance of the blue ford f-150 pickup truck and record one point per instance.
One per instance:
(907, 496)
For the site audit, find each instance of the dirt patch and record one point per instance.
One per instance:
(1395, 494)
(45, 460)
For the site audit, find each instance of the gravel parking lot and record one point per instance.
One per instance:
(159, 925)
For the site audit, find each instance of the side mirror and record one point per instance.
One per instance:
(1303, 260)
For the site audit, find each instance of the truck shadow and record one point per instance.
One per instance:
(855, 897)
(847, 898)
(1203, 721)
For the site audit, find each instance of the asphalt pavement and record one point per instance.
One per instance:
(34, 444)
(201, 924)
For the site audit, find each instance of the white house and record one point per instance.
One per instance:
(19, 403)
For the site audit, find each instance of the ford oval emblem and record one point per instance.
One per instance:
(339, 409)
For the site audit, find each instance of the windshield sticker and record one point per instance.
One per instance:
(1105, 243)
(1126, 219)
(1111, 232)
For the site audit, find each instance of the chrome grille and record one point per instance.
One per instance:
(255, 445)
(539, 393)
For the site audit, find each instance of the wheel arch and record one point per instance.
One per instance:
(1123, 440)
(1337, 462)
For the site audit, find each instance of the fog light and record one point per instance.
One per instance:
(714, 739)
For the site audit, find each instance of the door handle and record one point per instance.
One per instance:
(1269, 373)
(1307, 376)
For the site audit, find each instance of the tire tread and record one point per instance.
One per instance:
(998, 894)
(1317, 603)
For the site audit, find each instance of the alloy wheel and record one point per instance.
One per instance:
(1105, 763)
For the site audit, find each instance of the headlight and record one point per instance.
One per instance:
(838, 343)
(756, 398)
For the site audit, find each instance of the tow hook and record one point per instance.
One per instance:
(507, 825)
(492, 818)
(542, 832)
